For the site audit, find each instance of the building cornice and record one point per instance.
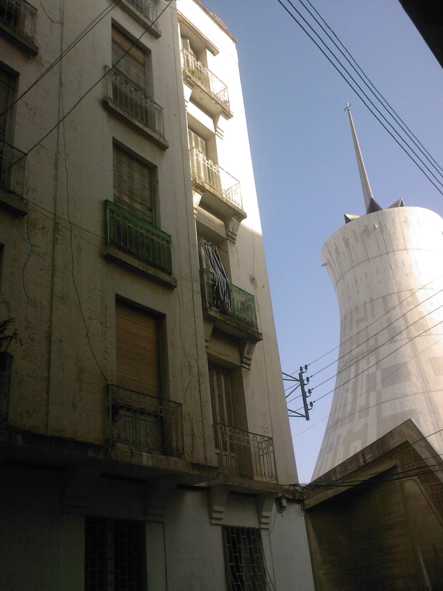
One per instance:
(216, 19)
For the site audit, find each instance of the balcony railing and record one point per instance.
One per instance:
(208, 175)
(144, 423)
(132, 100)
(201, 75)
(12, 169)
(239, 304)
(19, 18)
(149, 9)
(130, 232)
(245, 454)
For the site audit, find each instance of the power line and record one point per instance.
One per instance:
(132, 44)
(95, 21)
(375, 334)
(344, 50)
(367, 326)
(367, 101)
(372, 351)
(378, 361)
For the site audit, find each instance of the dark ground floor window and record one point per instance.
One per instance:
(114, 555)
(244, 559)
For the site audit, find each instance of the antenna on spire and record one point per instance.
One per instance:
(370, 203)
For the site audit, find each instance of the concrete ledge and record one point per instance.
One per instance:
(114, 254)
(23, 43)
(152, 135)
(13, 203)
(142, 20)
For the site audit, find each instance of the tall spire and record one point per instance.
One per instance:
(370, 203)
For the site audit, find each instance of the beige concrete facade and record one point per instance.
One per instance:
(75, 247)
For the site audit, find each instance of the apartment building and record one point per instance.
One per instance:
(144, 441)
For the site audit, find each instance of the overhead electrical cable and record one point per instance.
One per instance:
(382, 329)
(362, 95)
(376, 362)
(367, 326)
(344, 50)
(91, 25)
(131, 45)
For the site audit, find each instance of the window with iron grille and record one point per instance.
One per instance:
(135, 182)
(132, 60)
(244, 559)
(114, 555)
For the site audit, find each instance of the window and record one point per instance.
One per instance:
(135, 182)
(223, 398)
(138, 351)
(114, 555)
(136, 63)
(244, 560)
(8, 87)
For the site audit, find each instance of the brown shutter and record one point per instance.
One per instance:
(137, 350)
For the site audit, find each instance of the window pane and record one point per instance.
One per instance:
(134, 182)
(244, 560)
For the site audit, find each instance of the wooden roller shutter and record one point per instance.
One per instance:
(138, 357)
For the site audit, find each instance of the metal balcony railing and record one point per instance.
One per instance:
(132, 100)
(149, 9)
(144, 423)
(201, 75)
(12, 168)
(240, 305)
(19, 17)
(245, 454)
(128, 231)
(209, 175)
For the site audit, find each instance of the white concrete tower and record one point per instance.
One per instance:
(386, 268)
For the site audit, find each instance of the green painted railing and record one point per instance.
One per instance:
(240, 305)
(130, 232)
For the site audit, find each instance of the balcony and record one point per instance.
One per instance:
(220, 191)
(147, 248)
(17, 21)
(208, 91)
(12, 178)
(245, 454)
(236, 316)
(144, 11)
(144, 423)
(129, 101)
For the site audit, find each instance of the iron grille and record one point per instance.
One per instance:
(244, 559)
(130, 98)
(5, 384)
(147, 8)
(207, 175)
(245, 454)
(242, 304)
(19, 17)
(145, 423)
(114, 555)
(201, 75)
(131, 232)
(12, 168)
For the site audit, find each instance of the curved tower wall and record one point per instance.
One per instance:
(386, 263)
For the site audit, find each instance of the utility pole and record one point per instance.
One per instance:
(301, 382)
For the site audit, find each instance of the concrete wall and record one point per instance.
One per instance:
(184, 551)
(63, 295)
(386, 270)
(266, 408)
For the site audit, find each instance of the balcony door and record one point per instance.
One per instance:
(231, 437)
(8, 85)
(204, 170)
(138, 370)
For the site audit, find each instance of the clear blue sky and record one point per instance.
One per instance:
(304, 162)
